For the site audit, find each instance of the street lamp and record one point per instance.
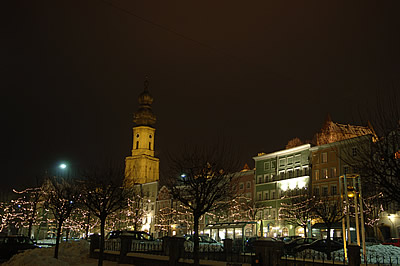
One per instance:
(63, 166)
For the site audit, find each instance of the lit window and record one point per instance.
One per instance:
(324, 157)
(325, 173)
(316, 174)
(333, 172)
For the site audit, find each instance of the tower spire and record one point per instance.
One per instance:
(144, 116)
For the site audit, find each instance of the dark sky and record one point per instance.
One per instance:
(257, 73)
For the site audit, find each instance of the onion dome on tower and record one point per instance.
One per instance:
(144, 116)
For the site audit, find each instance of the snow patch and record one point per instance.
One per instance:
(70, 253)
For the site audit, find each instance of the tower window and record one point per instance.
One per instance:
(149, 145)
(137, 135)
(137, 144)
(150, 137)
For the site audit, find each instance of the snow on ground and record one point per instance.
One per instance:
(378, 253)
(69, 254)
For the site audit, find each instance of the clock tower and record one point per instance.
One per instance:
(142, 167)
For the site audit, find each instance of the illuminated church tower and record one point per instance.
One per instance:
(142, 167)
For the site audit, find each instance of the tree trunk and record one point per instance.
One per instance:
(196, 258)
(60, 222)
(102, 225)
(305, 230)
(33, 214)
(87, 227)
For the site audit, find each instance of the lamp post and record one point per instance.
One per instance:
(352, 190)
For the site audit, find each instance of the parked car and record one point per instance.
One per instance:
(137, 235)
(291, 247)
(287, 239)
(11, 245)
(206, 244)
(321, 245)
(392, 241)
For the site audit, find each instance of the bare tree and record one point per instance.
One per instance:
(329, 212)
(30, 200)
(297, 210)
(103, 194)
(61, 195)
(202, 179)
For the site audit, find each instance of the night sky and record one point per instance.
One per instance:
(256, 73)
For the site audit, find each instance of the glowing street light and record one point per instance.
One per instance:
(63, 166)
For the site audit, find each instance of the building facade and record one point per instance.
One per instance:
(280, 175)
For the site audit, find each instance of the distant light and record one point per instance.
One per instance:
(183, 175)
(63, 166)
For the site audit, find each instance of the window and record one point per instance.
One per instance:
(346, 170)
(354, 151)
(305, 171)
(273, 194)
(315, 159)
(149, 145)
(333, 172)
(241, 186)
(282, 175)
(290, 174)
(273, 164)
(316, 191)
(266, 166)
(282, 162)
(137, 144)
(325, 173)
(260, 178)
(266, 195)
(290, 160)
(266, 213)
(266, 178)
(273, 212)
(324, 157)
(298, 172)
(297, 158)
(248, 184)
(273, 177)
(324, 191)
(259, 195)
(316, 174)
(333, 190)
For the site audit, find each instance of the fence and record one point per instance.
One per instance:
(170, 251)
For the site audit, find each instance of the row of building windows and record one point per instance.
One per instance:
(267, 214)
(248, 185)
(297, 172)
(324, 190)
(286, 161)
(272, 195)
